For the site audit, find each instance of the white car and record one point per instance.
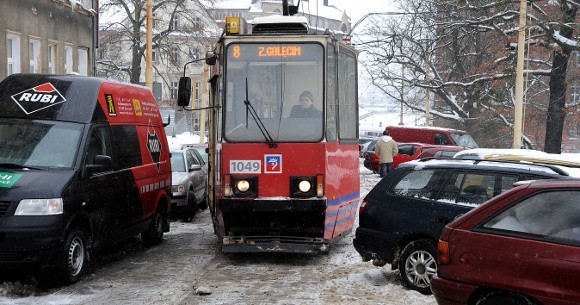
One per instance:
(189, 183)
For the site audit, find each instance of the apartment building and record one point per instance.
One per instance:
(47, 36)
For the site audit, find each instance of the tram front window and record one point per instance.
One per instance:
(273, 77)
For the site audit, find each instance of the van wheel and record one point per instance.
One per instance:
(418, 263)
(72, 261)
(154, 235)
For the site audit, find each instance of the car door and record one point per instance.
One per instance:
(196, 176)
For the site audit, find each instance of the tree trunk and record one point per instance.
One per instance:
(556, 107)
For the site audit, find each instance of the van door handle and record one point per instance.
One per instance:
(443, 219)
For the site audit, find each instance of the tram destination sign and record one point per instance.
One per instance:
(274, 52)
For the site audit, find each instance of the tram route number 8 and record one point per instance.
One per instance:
(245, 166)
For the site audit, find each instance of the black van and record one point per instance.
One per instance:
(83, 161)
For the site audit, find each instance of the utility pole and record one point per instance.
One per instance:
(518, 107)
(148, 47)
(428, 81)
(203, 115)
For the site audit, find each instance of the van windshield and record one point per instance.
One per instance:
(464, 140)
(39, 144)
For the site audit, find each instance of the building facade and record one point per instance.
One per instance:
(47, 36)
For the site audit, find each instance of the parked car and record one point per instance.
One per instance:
(408, 152)
(367, 144)
(440, 153)
(201, 149)
(485, 153)
(401, 218)
(520, 248)
(431, 135)
(189, 183)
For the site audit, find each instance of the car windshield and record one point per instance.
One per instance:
(177, 163)
(39, 144)
(464, 140)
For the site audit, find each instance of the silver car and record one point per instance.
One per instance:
(189, 183)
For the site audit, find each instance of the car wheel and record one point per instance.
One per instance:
(154, 235)
(72, 261)
(503, 298)
(191, 207)
(418, 263)
(203, 205)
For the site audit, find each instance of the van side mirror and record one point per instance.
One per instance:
(184, 91)
(101, 163)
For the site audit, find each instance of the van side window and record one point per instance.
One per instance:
(442, 139)
(99, 144)
(126, 146)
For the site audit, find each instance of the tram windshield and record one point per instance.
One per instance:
(283, 84)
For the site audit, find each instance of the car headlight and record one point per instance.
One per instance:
(178, 188)
(53, 206)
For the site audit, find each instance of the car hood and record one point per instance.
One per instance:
(178, 177)
(16, 185)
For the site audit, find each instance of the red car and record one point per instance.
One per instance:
(408, 152)
(519, 248)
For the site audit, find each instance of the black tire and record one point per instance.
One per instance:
(204, 203)
(418, 263)
(154, 235)
(72, 261)
(191, 207)
(503, 298)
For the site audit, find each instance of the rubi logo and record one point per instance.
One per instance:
(38, 98)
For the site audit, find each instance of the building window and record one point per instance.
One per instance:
(175, 23)
(154, 20)
(196, 22)
(574, 96)
(13, 53)
(153, 54)
(68, 59)
(34, 56)
(174, 54)
(174, 86)
(83, 62)
(52, 51)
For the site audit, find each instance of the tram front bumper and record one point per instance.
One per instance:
(262, 225)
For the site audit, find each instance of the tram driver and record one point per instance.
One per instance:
(306, 108)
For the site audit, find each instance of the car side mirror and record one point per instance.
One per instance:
(184, 91)
(195, 167)
(101, 164)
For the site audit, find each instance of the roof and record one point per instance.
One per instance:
(492, 165)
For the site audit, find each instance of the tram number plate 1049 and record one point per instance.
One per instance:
(245, 166)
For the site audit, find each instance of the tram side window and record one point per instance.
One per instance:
(347, 91)
(331, 95)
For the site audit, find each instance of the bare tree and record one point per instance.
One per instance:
(468, 49)
(128, 31)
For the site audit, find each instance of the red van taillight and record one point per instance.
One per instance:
(362, 207)
(443, 252)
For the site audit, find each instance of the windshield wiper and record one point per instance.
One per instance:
(14, 165)
(261, 126)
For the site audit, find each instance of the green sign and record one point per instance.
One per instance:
(7, 180)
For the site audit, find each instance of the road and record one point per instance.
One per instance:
(189, 261)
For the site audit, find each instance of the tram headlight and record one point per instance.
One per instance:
(243, 185)
(304, 186)
(246, 186)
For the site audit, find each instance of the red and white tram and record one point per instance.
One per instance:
(279, 181)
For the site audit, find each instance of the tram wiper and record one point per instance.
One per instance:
(261, 126)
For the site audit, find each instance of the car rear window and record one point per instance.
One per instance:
(553, 215)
